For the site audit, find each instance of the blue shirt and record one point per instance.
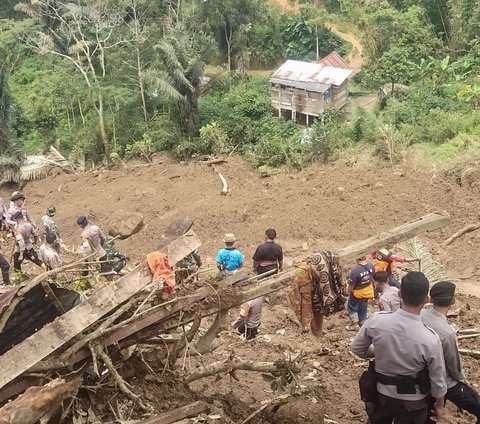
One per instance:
(231, 259)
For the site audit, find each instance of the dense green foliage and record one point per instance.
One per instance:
(107, 79)
(112, 78)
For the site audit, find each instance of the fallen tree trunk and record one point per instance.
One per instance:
(39, 403)
(432, 221)
(460, 233)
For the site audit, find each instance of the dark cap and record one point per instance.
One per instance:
(444, 290)
(18, 196)
(18, 214)
(81, 219)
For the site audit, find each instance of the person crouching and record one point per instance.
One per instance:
(250, 318)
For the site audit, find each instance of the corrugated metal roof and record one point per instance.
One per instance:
(335, 60)
(308, 72)
(302, 85)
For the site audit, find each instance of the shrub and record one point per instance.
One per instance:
(140, 149)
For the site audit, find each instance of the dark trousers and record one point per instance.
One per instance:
(5, 270)
(463, 396)
(388, 410)
(249, 333)
(29, 254)
(466, 398)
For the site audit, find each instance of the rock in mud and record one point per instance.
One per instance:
(124, 224)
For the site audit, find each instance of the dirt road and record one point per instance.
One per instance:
(354, 58)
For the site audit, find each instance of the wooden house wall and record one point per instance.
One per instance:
(308, 102)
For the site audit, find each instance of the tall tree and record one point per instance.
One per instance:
(181, 79)
(83, 36)
(229, 19)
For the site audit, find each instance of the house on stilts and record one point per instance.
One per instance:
(302, 91)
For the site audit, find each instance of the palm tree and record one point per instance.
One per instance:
(180, 80)
(10, 152)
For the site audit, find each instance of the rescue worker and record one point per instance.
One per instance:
(5, 267)
(92, 242)
(250, 318)
(360, 290)
(229, 259)
(48, 223)
(18, 204)
(384, 260)
(389, 300)
(25, 236)
(442, 296)
(49, 254)
(408, 364)
(269, 255)
(117, 260)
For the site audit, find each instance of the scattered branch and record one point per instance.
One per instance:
(223, 180)
(460, 233)
(230, 365)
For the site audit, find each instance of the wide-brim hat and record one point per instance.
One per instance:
(17, 196)
(229, 238)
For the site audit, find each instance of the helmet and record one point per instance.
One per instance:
(51, 211)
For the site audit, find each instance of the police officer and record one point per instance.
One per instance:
(409, 361)
(459, 392)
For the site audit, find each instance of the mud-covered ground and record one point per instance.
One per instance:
(322, 207)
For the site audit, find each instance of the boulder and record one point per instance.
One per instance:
(123, 224)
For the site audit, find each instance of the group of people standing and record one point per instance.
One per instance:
(17, 222)
(415, 365)
(267, 260)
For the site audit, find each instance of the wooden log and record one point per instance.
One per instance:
(460, 233)
(183, 246)
(38, 403)
(178, 414)
(54, 335)
(472, 353)
(238, 364)
(432, 221)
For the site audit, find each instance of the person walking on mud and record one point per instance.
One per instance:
(49, 254)
(25, 236)
(18, 205)
(92, 241)
(360, 291)
(409, 364)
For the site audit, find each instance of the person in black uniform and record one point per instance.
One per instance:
(269, 255)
